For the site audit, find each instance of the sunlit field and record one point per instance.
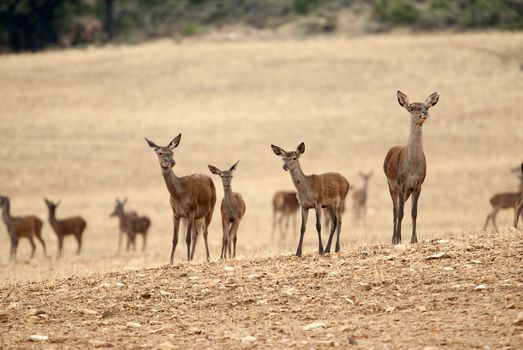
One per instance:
(73, 125)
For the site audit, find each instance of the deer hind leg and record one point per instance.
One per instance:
(339, 214)
(176, 227)
(60, 252)
(78, 238)
(14, 247)
(232, 237)
(318, 228)
(144, 243)
(120, 241)
(33, 246)
(489, 218)
(304, 216)
(394, 197)
(518, 211)
(399, 217)
(205, 235)
(334, 223)
(414, 215)
(192, 233)
(494, 214)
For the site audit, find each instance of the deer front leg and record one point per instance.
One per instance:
(78, 238)
(518, 211)
(225, 228)
(304, 216)
(193, 235)
(318, 228)
(394, 197)
(33, 246)
(339, 214)
(14, 247)
(414, 215)
(176, 223)
(120, 241)
(232, 237)
(334, 223)
(399, 218)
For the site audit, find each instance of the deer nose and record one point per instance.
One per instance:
(285, 167)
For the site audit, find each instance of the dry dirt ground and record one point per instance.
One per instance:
(462, 292)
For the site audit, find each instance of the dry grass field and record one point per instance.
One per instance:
(73, 125)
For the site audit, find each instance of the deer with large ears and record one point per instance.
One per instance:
(405, 166)
(232, 209)
(74, 225)
(316, 192)
(192, 197)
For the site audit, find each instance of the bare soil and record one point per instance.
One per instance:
(462, 292)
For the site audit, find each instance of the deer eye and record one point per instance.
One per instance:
(160, 153)
(294, 158)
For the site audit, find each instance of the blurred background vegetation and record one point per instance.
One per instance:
(31, 25)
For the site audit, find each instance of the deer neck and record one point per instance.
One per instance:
(6, 214)
(415, 144)
(227, 193)
(299, 179)
(172, 182)
(52, 217)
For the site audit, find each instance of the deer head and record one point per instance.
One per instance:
(290, 159)
(367, 176)
(51, 205)
(118, 208)
(165, 154)
(419, 111)
(226, 175)
(3, 201)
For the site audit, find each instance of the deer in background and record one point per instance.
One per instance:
(359, 197)
(232, 210)
(504, 200)
(316, 192)
(192, 197)
(285, 205)
(519, 204)
(405, 166)
(18, 227)
(131, 224)
(69, 226)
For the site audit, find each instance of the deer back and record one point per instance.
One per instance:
(505, 200)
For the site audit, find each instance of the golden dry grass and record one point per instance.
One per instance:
(73, 124)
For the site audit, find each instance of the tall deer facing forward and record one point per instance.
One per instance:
(192, 197)
(69, 226)
(21, 226)
(405, 166)
(232, 209)
(316, 192)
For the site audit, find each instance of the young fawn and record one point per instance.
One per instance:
(405, 166)
(284, 206)
(63, 227)
(316, 192)
(192, 197)
(131, 224)
(359, 196)
(232, 209)
(18, 227)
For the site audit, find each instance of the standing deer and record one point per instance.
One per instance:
(316, 192)
(21, 226)
(131, 224)
(285, 205)
(405, 166)
(360, 199)
(192, 197)
(232, 209)
(69, 226)
(519, 204)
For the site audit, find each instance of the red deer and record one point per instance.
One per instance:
(359, 196)
(131, 224)
(21, 226)
(232, 210)
(192, 197)
(62, 227)
(284, 206)
(315, 192)
(405, 166)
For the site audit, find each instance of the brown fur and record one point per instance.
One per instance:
(232, 210)
(131, 224)
(18, 227)
(359, 199)
(405, 166)
(285, 205)
(69, 226)
(519, 204)
(316, 191)
(192, 197)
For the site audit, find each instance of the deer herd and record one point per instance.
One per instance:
(193, 198)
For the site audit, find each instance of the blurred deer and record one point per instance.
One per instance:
(18, 227)
(232, 210)
(131, 224)
(519, 204)
(405, 166)
(315, 191)
(62, 227)
(503, 200)
(359, 197)
(192, 197)
(284, 206)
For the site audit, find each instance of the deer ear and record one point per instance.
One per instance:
(214, 170)
(233, 168)
(432, 99)
(403, 100)
(278, 150)
(151, 144)
(175, 142)
(301, 148)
